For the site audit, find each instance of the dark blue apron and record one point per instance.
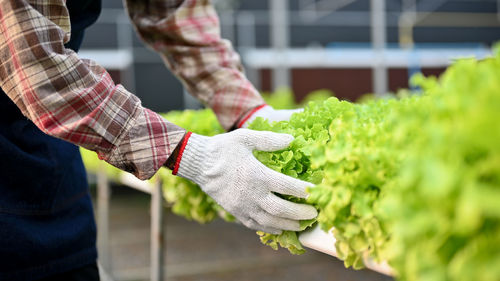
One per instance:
(46, 218)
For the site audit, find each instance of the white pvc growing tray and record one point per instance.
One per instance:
(317, 239)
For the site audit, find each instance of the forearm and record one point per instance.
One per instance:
(76, 100)
(187, 36)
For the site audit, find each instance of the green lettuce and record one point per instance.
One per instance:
(413, 180)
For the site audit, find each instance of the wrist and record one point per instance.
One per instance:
(172, 159)
(248, 117)
(192, 155)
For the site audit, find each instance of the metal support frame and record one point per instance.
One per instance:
(158, 244)
(245, 25)
(280, 39)
(378, 36)
(126, 42)
(247, 34)
(103, 196)
(157, 233)
(227, 23)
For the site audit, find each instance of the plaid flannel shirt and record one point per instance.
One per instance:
(76, 100)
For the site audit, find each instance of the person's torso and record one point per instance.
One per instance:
(46, 217)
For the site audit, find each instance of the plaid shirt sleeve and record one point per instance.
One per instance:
(186, 33)
(74, 99)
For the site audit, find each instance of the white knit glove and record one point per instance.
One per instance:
(269, 113)
(225, 168)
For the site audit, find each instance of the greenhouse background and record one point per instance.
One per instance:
(349, 47)
(310, 26)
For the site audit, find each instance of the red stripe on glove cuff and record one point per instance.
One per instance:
(179, 157)
(252, 112)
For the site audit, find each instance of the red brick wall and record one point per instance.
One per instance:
(349, 84)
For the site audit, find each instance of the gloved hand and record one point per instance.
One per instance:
(267, 112)
(225, 168)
